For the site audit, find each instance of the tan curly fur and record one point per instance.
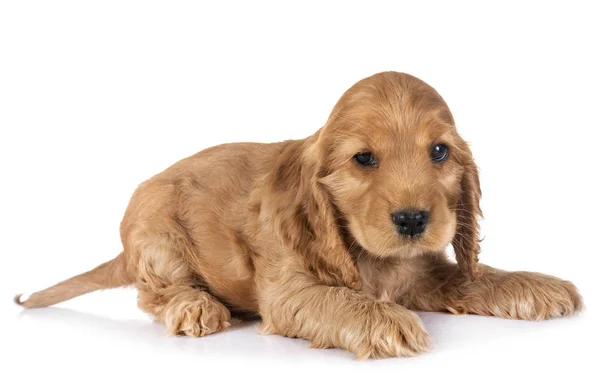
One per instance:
(300, 234)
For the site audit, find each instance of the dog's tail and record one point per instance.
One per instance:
(111, 274)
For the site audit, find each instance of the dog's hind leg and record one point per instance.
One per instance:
(184, 309)
(169, 291)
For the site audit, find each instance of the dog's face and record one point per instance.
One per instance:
(397, 170)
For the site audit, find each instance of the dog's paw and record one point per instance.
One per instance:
(534, 296)
(394, 331)
(198, 317)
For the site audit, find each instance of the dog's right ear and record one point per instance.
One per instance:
(295, 206)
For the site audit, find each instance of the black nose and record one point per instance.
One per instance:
(411, 222)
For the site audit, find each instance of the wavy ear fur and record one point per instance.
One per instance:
(304, 217)
(468, 212)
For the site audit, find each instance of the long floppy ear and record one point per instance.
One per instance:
(468, 212)
(301, 212)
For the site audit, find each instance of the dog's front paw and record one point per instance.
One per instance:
(534, 296)
(393, 331)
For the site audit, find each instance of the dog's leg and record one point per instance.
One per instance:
(170, 292)
(297, 306)
(185, 310)
(513, 295)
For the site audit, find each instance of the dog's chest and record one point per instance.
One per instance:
(386, 280)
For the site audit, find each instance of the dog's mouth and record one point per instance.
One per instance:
(408, 248)
(412, 239)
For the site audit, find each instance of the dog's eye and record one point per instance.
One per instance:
(366, 159)
(439, 153)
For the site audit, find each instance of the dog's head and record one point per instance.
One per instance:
(398, 171)
(390, 169)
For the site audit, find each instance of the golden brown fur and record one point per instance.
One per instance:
(300, 234)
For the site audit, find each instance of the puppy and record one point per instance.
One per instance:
(337, 238)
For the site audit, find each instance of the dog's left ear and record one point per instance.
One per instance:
(468, 212)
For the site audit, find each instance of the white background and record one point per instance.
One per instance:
(95, 97)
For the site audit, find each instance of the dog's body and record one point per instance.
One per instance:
(300, 233)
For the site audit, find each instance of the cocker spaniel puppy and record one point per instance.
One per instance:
(336, 238)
